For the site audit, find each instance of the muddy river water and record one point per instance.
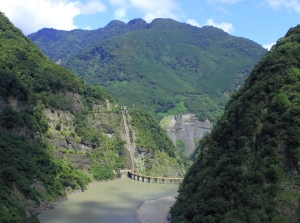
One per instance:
(107, 202)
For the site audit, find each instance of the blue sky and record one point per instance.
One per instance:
(263, 21)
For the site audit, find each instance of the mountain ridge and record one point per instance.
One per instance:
(165, 66)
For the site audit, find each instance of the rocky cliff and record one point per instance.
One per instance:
(185, 130)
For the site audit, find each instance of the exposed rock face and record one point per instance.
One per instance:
(185, 127)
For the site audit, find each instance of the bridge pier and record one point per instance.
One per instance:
(118, 173)
(155, 180)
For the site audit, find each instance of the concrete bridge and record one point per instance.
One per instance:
(149, 179)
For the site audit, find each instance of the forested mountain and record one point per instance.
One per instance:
(165, 67)
(57, 134)
(59, 45)
(248, 166)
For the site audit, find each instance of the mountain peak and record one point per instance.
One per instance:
(137, 21)
(115, 23)
(163, 21)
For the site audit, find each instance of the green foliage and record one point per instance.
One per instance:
(9, 118)
(106, 159)
(102, 172)
(26, 72)
(95, 95)
(59, 44)
(84, 130)
(181, 146)
(150, 134)
(11, 86)
(156, 66)
(24, 164)
(203, 106)
(244, 170)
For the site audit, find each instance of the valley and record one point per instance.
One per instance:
(164, 100)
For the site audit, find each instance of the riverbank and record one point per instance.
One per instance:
(155, 211)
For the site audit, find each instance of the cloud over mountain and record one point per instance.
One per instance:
(58, 14)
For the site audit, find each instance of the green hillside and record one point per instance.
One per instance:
(167, 67)
(59, 45)
(57, 134)
(248, 167)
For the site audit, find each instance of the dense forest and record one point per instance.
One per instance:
(59, 45)
(247, 168)
(165, 67)
(57, 133)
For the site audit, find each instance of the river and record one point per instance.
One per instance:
(107, 202)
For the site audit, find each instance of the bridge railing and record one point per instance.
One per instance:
(150, 179)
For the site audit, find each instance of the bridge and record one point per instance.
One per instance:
(149, 179)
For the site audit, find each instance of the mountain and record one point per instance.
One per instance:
(165, 67)
(57, 134)
(248, 166)
(59, 45)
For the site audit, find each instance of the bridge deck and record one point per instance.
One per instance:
(152, 177)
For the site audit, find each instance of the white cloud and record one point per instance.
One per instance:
(151, 8)
(32, 15)
(120, 13)
(119, 2)
(292, 4)
(227, 27)
(193, 22)
(91, 7)
(268, 46)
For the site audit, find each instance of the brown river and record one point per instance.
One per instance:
(107, 202)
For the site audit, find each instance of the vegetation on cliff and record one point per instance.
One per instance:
(160, 157)
(150, 134)
(165, 67)
(248, 166)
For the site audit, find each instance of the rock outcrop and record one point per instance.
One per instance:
(185, 128)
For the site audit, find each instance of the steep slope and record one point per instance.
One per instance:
(57, 134)
(168, 67)
(248, 167)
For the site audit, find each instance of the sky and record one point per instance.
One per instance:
(263, 21)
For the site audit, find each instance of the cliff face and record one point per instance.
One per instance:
(185, 130)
